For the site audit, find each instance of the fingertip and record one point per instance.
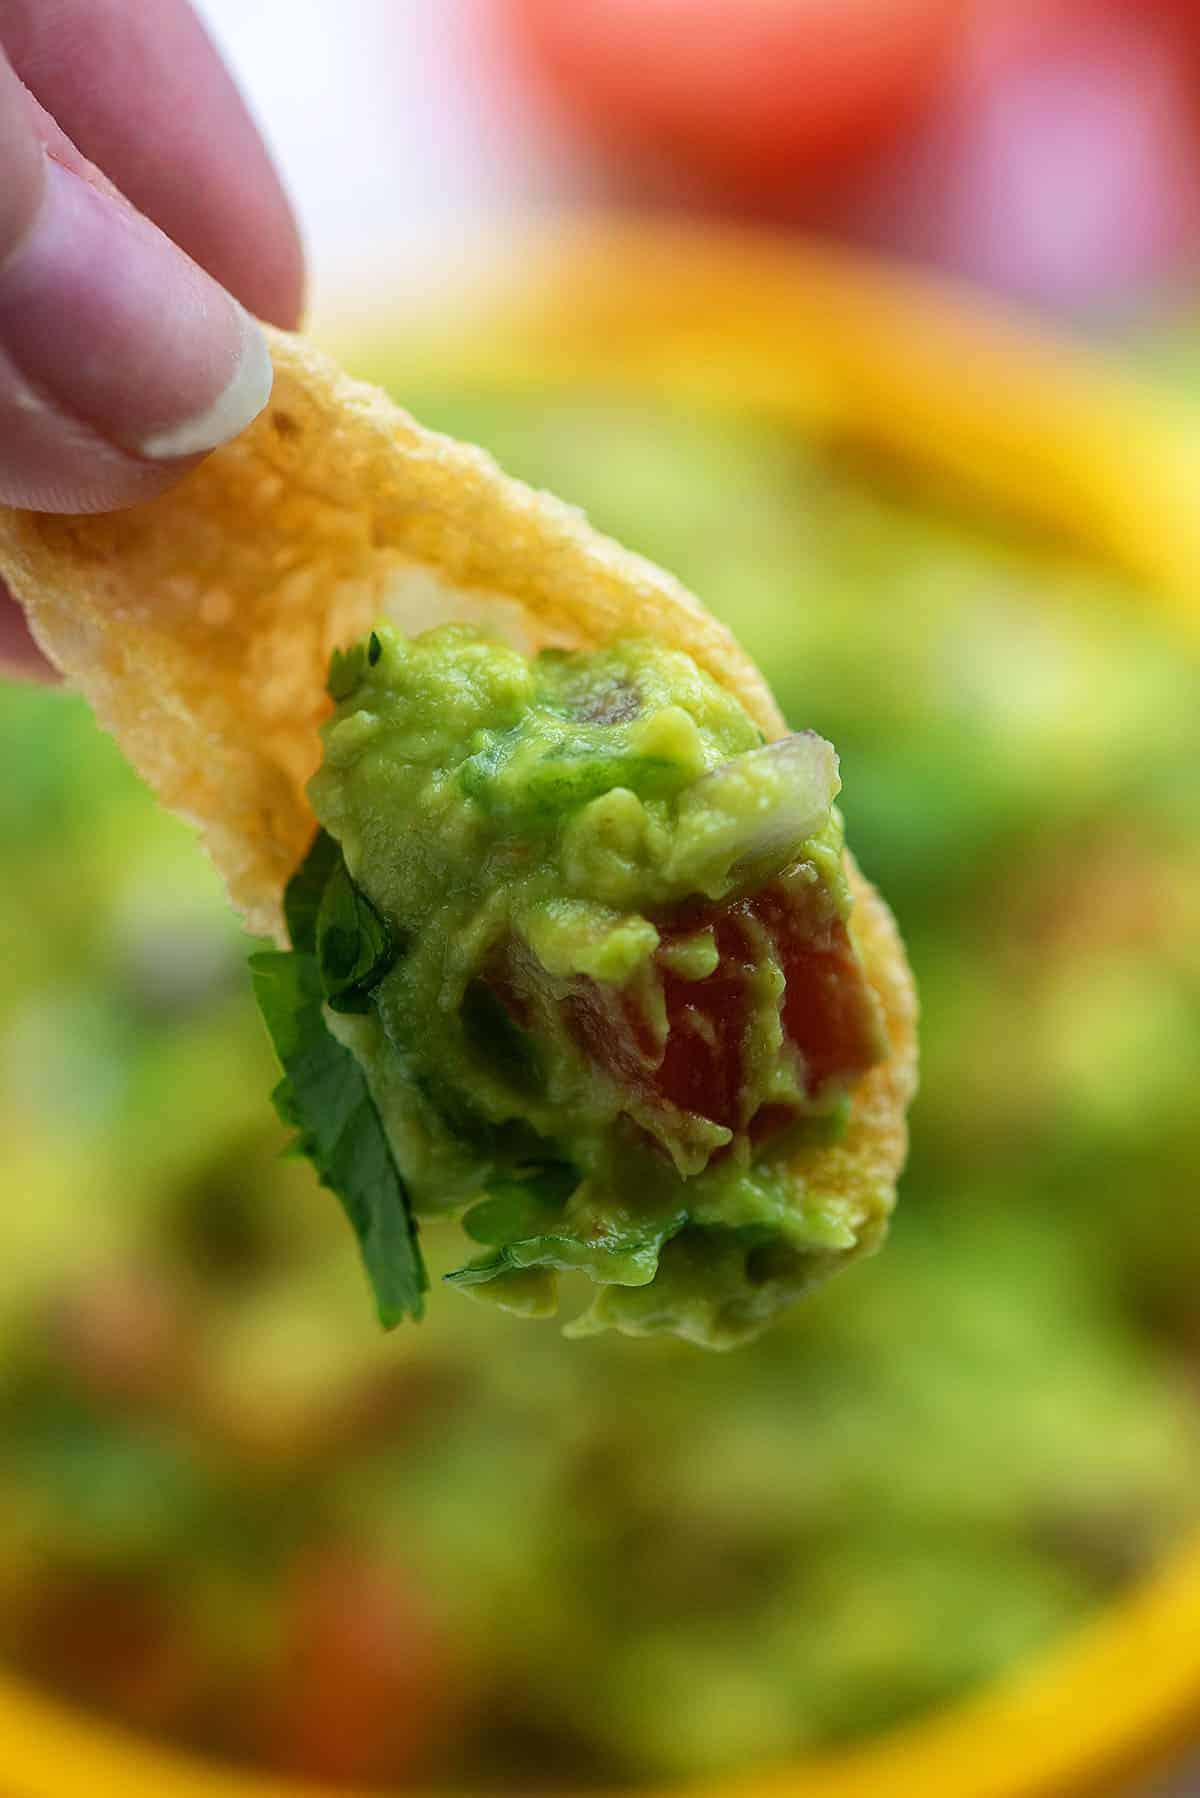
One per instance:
(103, 317)
(50, 462)
(121, 361)
(20, 657)
(186, 152)
(22, 164)
(266, 268)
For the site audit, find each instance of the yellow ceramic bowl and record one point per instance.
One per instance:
(962, 399)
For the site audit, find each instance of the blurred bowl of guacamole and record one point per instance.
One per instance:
(936, 1534)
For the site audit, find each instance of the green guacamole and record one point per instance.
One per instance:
(582, 905)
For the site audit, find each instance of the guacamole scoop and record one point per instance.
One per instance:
(573, 948)
(589, 939)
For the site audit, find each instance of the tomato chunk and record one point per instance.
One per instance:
(702, 1061)
(828, 1011)
(699, 1063)
(364, 1683)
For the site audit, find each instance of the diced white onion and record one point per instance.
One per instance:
(751, 818)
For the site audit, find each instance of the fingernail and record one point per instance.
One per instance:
(241, 399)
(107, 318)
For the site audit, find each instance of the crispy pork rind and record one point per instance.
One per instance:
(200, 627)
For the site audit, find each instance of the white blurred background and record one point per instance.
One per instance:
(407, 140)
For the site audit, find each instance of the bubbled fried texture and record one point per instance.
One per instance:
(863, 1168)
(200, 626)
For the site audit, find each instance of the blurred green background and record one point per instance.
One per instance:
(234, 1515)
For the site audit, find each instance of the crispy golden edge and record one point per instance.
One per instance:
(864, 1166)
(200, 625)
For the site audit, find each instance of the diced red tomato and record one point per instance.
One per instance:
(701, 1067)
(828, 1010)
(115, 1641)
(363, 1684)
(123, 1336)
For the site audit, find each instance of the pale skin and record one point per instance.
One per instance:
(141, 225)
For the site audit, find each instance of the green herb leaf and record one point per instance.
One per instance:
(302, 899)
(521, 1205)
(325, 1098)
(525, 1229)
(355, 947)
(346, 670)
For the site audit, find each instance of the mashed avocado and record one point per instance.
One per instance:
(587, 935)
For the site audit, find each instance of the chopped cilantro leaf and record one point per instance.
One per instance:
(522, 1205)
(346, 668)
(302, 899)
(324, 1094)
(355, 948)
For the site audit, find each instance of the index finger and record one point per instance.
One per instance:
(141, 91)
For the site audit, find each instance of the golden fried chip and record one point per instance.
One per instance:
(200, 626)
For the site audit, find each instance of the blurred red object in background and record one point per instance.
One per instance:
(1060, 162)
(363, 1680)
(751, 97)
(1048, 148)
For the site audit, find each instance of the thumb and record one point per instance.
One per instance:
(120, 359)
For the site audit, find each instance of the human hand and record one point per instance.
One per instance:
(138, 207)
